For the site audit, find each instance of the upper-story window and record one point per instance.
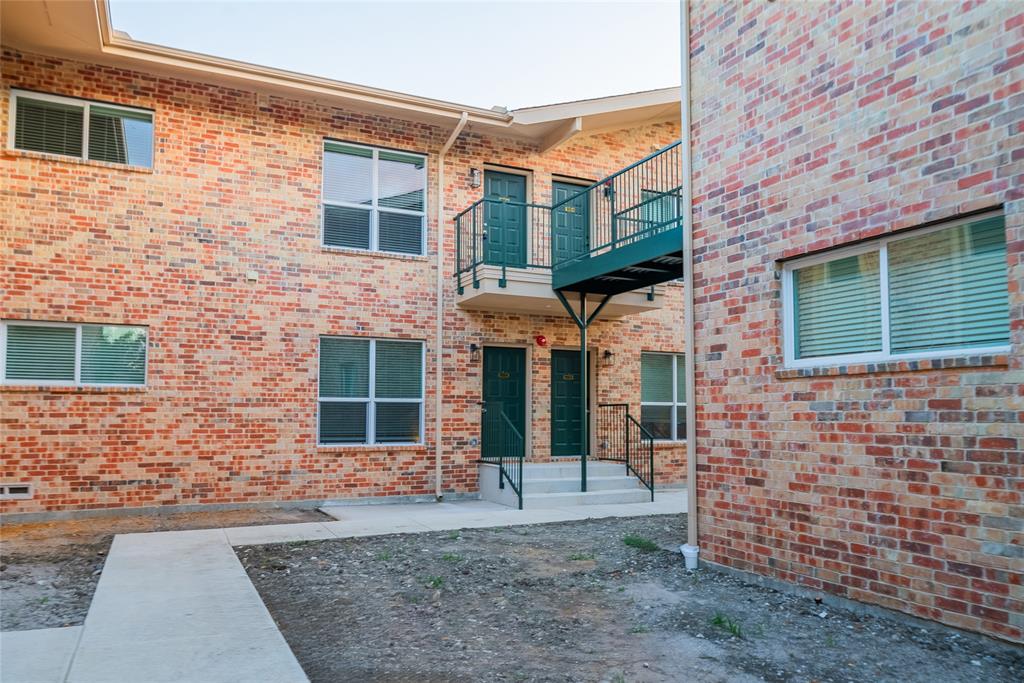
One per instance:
(374, 199)
(81, 128)
(931, 292)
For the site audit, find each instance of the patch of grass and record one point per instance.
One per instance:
(453, 535)
(434, 581)
(640, 543)
(384, 556)
(639, 628)
(581, 557)
(451, 557)
(619, 678)
(727, 623)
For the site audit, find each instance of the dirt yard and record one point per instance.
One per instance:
(49, 571)
(574, 602)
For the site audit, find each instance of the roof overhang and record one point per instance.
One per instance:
(81, 30)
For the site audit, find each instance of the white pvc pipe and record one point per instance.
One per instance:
(688, 345)
(439, 331)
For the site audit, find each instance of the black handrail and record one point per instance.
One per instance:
(622, 438)
(510, 445)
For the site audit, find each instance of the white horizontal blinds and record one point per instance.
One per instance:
(113, 354)
(948, 288)
(680, 399)
(374, 199)
(656, 406)
(348, 195)
(398, 391)
(344, 374)
(120, 136)
(51, 127)
(838, 307)
(401, 181)
(40, 353)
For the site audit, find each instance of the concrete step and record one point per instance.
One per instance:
(571, 469)
(572, 484)
(540, 501)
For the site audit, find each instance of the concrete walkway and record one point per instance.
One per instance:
(178, 605)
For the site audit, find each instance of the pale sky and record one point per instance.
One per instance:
(510, 53)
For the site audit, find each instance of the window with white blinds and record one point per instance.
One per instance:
(81, 128)
(663, 395)
(374, 199)
(925, 293)
(371, 391)
(72, 354)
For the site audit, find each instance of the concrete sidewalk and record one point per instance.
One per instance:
(178, 605)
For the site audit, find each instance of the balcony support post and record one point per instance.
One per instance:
(583, 321)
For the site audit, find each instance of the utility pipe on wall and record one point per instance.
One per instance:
(439, 293)
(688, 325)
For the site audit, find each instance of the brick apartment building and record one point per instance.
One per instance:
(241, 288)
(877, 462)
(222, 290)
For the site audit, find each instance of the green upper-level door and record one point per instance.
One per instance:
(505, 236)
(571, 222)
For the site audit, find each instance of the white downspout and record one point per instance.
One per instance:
(439, 284)
(691, 548)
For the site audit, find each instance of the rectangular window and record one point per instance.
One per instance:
(68, 354)
(932, 292)
(374, 199)
(371, 391)
(663, 395)
(80, 128)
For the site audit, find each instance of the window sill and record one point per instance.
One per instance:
(67, 389)
(942, 363)
(44, 156)
(377, 254)
(379, 447)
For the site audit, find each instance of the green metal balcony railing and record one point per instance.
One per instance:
(636, 210)
(506, 234)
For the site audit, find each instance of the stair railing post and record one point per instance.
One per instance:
(583, 393)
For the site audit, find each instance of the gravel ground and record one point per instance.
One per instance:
(49, 571)
(573, 602)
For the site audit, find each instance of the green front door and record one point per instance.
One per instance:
(505, 219)
(571, 229)
(566, 423)
(504, 390)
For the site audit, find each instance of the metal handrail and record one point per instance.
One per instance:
(623, 439)
(511, 454)
(634, 203)
(613, 176)
(471, 235)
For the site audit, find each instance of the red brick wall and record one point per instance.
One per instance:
(820, 124)
(229, 413)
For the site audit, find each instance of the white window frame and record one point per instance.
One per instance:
(371, 400)
(373, 207)
(86, 106)
(675, 404)
(881, 246)
(78, 357)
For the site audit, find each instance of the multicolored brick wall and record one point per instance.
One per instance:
(228, 415)
(822, 124)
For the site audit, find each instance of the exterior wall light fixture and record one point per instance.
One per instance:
(474, 177)
(474, 352)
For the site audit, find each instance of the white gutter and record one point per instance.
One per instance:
(688, 345)
(439, 331)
